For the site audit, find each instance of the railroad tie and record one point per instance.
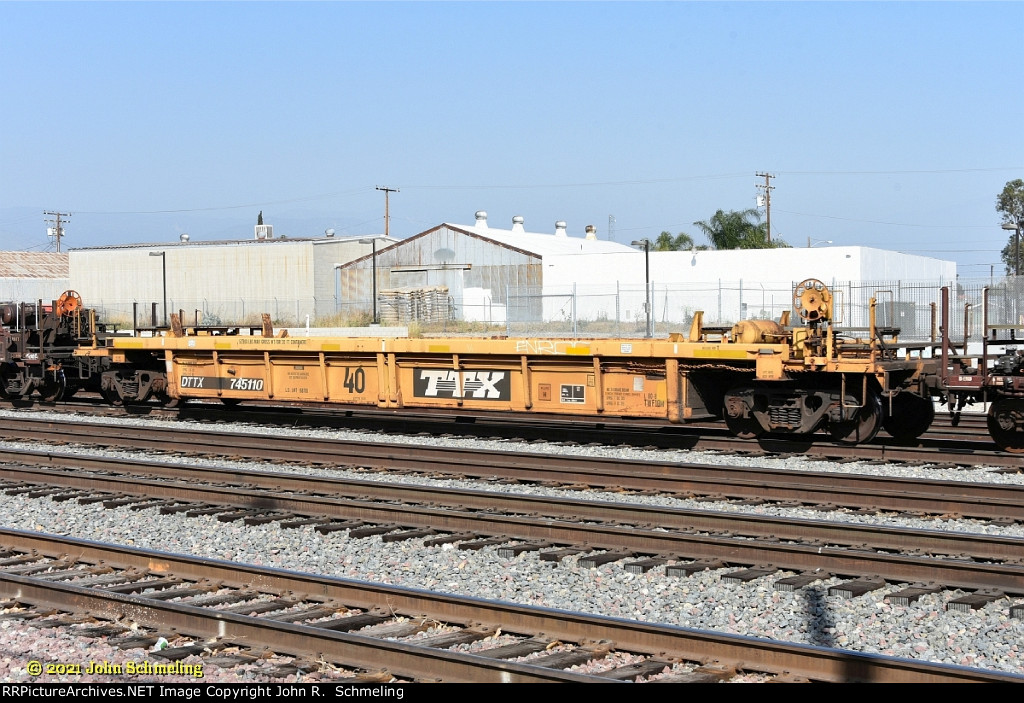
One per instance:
(745, 575)
(693, 567)
(912, 593)
(558, 555)
(572, 657)
(515, 650)
(631, 672)
(349, 623)
(446, 640)
(975, 601)
(595, 560)
(515, 550)
(857, 587)
(704, 674)
(795, 583)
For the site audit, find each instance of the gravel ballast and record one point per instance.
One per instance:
(986, 638)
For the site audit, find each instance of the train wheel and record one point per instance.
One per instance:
(8, 388)
(111, 396)
(1006, 424)
(53, 389)
(863, 427)
(910, 418)
(744, 427)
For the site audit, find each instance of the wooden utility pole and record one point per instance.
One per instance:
(58, 231)
(768, 188)
(387, 216)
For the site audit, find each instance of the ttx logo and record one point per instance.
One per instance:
(478, 385)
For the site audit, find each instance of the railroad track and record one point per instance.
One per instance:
(968, 443)
(381, 632)
(640, 536)
(694, 480)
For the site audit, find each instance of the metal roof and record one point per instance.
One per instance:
(31, 264)
(544, 244)
(280, 240)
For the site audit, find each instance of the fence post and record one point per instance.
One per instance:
(618, 304)
(574, 333)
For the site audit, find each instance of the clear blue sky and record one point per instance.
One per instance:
(892, 125)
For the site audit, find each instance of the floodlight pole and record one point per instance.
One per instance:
(163, 265)
(646, 244)
(373, 242)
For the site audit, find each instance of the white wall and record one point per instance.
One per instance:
(232, 282)
(726, 285)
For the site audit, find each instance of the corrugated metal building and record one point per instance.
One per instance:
(478, 266)
(27, 276)
(222, 281)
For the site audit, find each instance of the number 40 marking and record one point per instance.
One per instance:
(355, 382)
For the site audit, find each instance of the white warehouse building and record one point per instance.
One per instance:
(746, 283)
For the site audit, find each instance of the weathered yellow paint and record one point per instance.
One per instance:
(718, 353)
(613, 377)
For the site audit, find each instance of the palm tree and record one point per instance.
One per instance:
(734, 230)
(680, 242)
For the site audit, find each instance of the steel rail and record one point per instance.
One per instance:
(698, 436)
(962, 498)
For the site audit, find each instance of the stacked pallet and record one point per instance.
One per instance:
(400, 306)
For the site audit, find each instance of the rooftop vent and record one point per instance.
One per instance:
(264, 231)
(591, 232)
(481, 219)
(560, 229)
(183, 237)
(517, 224)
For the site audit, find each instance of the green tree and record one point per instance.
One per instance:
(680, 242)
(1011, 204)
(740, 229)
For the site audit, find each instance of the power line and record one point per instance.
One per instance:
(879, 222)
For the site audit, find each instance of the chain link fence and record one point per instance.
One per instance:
(617, 310)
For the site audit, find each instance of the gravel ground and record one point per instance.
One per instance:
(987, 638)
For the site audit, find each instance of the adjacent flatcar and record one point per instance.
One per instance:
(38, 344)
(996, 376)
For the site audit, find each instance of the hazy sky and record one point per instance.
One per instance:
(892, 125)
